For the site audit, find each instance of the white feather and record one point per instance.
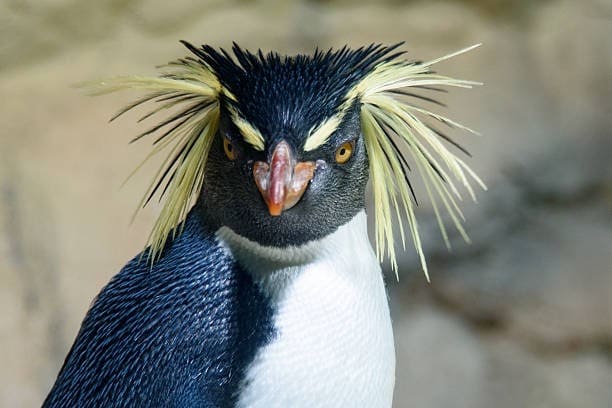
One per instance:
(334, 344)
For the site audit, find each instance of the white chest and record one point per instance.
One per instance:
(334, 344)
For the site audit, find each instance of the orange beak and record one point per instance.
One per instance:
(282, 183)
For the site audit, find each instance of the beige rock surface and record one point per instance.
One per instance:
(520, 318)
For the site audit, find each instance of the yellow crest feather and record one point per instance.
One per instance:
(192, 90)
(390, 124)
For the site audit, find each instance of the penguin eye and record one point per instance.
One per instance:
(229, 149)
(344, 152)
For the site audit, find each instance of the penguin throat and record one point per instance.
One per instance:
(280, 264)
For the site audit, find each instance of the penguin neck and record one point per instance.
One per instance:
(274, 268)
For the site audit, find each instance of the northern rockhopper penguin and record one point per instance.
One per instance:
(259, 287)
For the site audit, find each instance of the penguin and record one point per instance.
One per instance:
(259, 286)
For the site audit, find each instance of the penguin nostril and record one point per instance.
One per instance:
(261, 172)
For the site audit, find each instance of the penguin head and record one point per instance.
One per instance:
(279, 149)
(286, 189)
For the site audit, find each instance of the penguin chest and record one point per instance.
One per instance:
(333, 345)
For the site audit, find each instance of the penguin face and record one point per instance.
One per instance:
(285, 195)
(291, 190)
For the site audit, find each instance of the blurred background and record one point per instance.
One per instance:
(522, 317)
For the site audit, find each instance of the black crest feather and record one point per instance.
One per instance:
(289, 95)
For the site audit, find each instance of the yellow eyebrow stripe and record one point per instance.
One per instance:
(249, 132)
(319, 135)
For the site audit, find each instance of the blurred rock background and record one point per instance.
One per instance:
(520, 318)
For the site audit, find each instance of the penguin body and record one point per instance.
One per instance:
(306, 326)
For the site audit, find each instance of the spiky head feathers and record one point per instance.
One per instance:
(304, 99)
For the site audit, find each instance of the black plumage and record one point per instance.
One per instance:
(178, 334)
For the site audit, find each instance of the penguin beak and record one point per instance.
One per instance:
(282, 182)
